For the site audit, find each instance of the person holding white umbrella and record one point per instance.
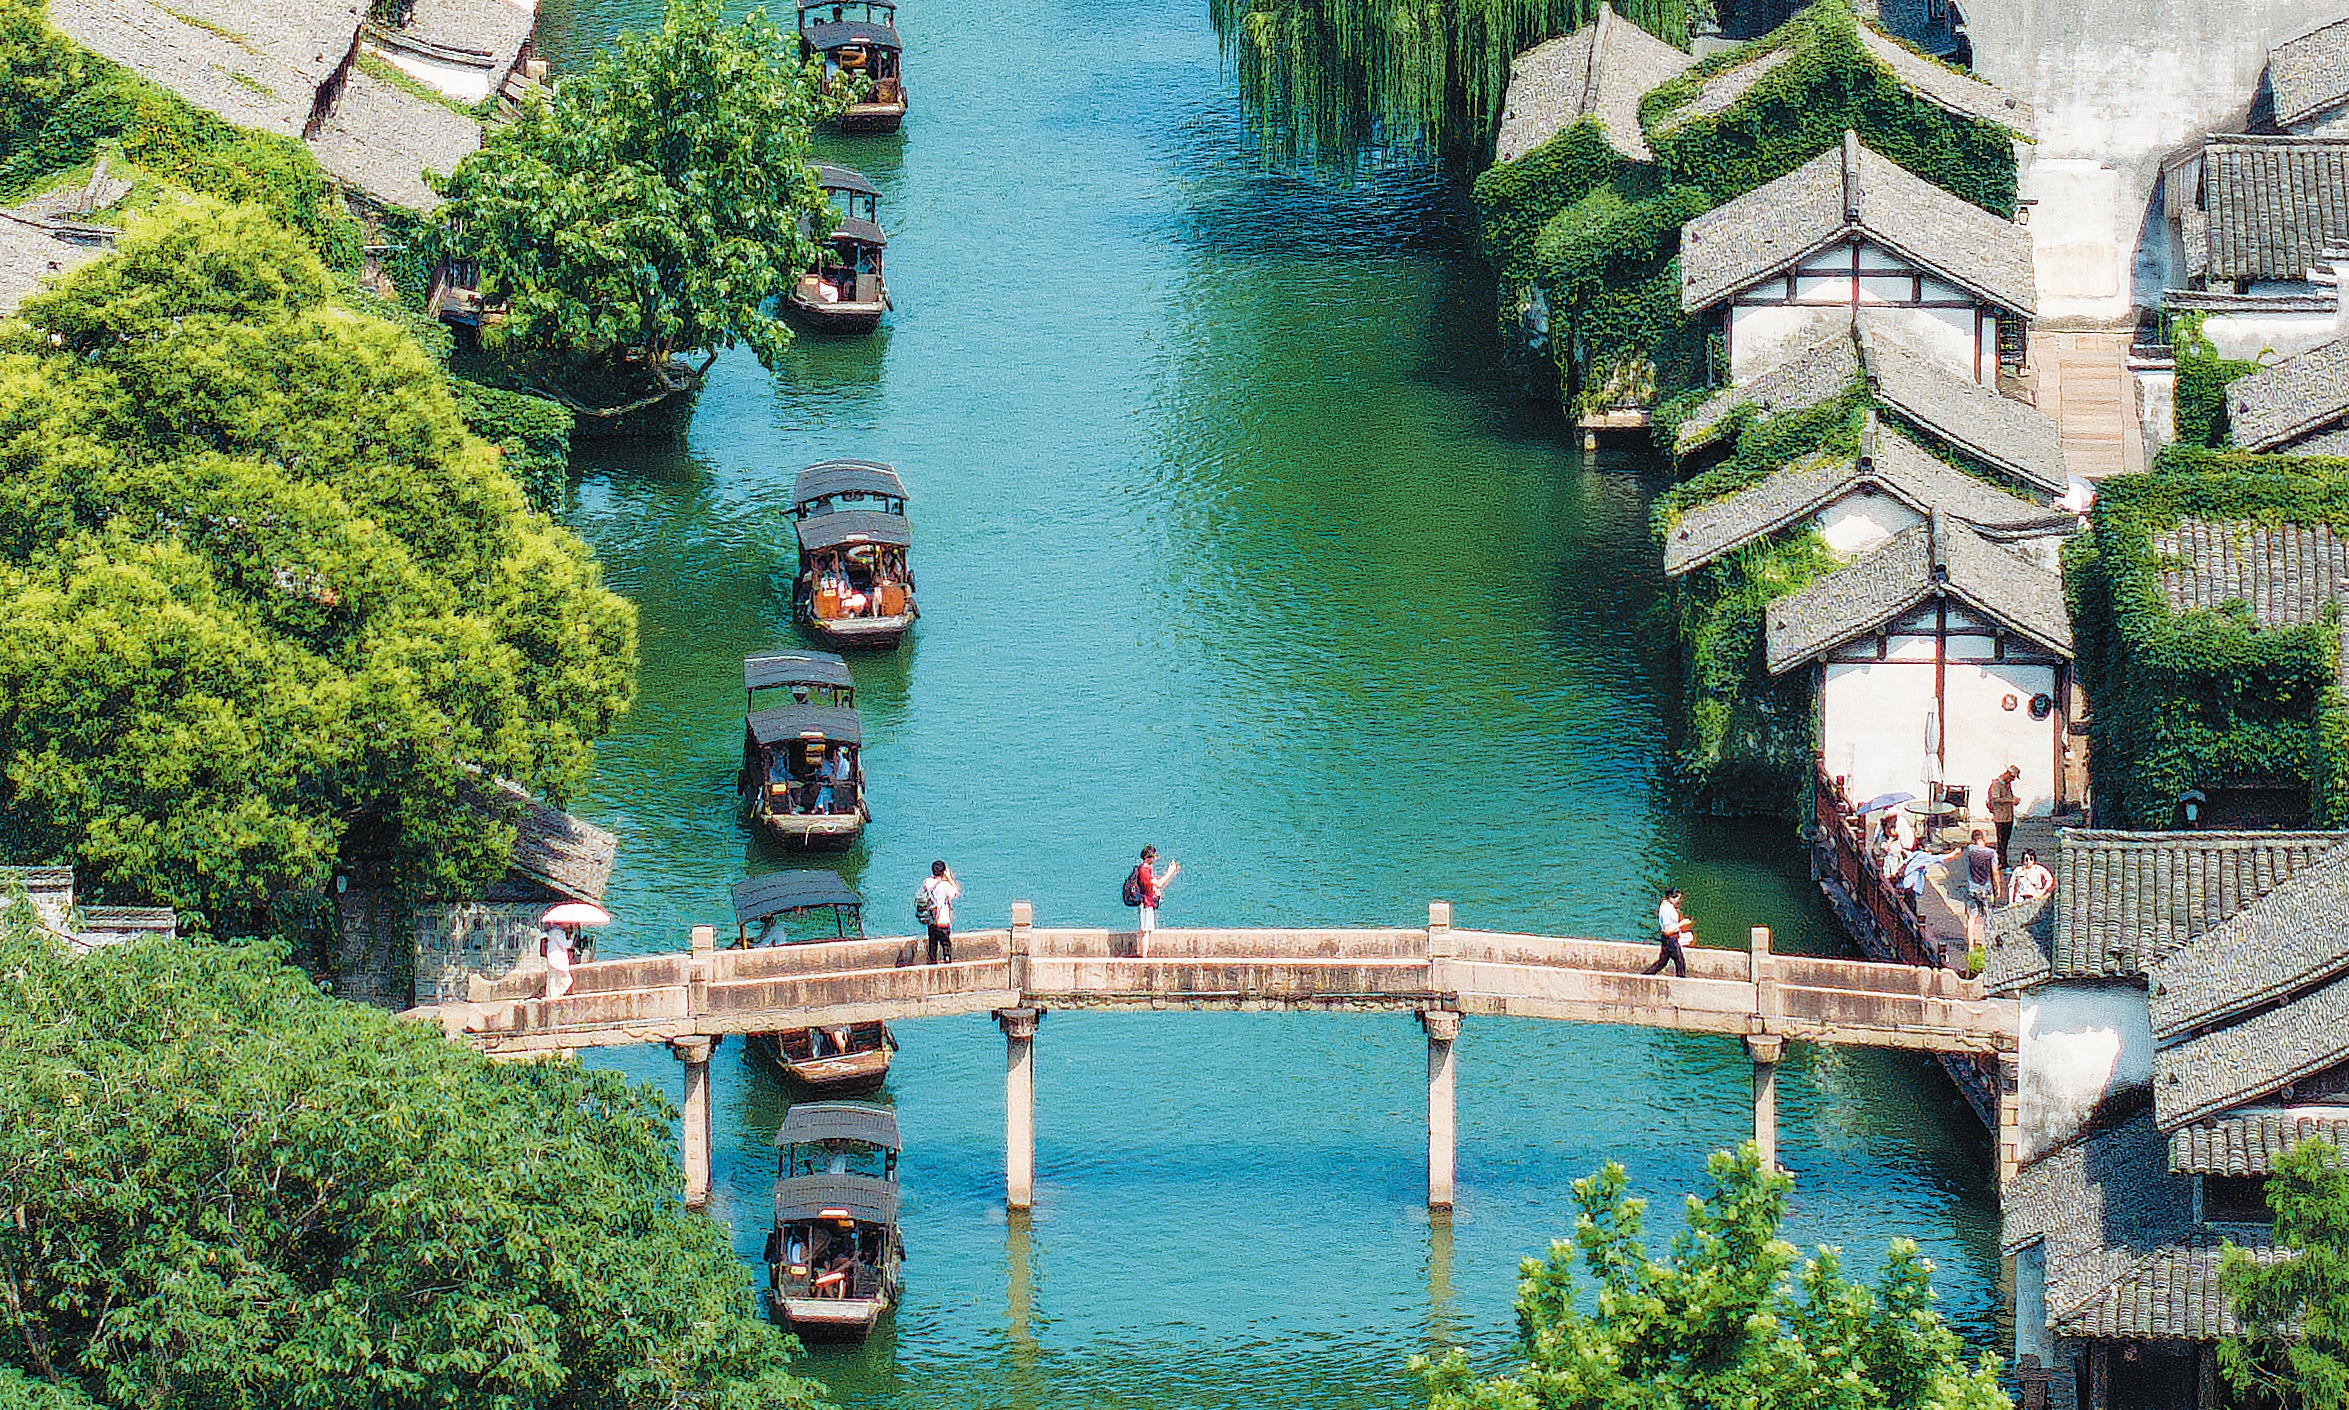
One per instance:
(561, 925)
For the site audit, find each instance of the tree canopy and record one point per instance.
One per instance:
(1727, 1318)
(226, 1189)
(650, 211)
(259, 588)
(2293, 1351)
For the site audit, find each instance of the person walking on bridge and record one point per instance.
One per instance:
(1672, 929)
(1145, 887)
(934, 907)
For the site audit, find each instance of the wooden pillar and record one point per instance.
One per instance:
(2100, 1375)
(695, 1054)
(1766, 1050)
(1019, 1105)
(1443, 1028)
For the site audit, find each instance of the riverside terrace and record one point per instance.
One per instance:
(691, 999)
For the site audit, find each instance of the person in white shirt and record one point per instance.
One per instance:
(558, 961)
(1671, 929)
(935, 907)
(2031, 880)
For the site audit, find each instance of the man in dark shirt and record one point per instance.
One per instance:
(1981, 888)
(2002, 802)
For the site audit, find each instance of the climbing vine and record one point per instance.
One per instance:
(2203, 377)
(1748, 738)
(2188, 700)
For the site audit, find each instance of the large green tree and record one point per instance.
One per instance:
(260, 590)
(2293, 1351)
(225, 1189)
(649, 214)
(1729, 1318)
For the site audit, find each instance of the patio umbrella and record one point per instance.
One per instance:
(576, 913)
(1884, 800)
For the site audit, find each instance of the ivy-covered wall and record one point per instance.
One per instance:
(1606, 259)
(2181, 701)
(2203, 376)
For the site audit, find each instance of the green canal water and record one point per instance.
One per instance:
(1230, 540)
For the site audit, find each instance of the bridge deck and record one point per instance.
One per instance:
(707, 993)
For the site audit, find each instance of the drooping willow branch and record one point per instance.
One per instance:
(1345, 83)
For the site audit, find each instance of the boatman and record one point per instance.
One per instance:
(1672, 929)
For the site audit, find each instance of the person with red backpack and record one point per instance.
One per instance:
(1144, 888)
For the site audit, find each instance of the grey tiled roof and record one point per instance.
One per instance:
(2273, 204)
(496, 28)
(1955, 409)
(1817, 374)
(2250, 1143)
(1889, 464)
(2298, 397)
(1601, 70)
(2254, 1058)
(1718, 94)
(2295, 936)
(1936, 557)
(257, 63)
(2310, 73)
(34, 250)
(2165, 1294)
(2126, 900)
(1845, 191)
(1925, 390)
(2097, 1207)
(551, 847)
(2016, 957)
(2287, 575)
(380, 139)
(1944, 87)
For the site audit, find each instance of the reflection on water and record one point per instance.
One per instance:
(1229, 541)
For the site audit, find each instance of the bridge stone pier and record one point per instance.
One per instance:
(1442, 975)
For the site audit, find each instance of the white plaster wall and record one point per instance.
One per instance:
(1872, 725)
(1761, 338)
(1985, 737)
(1858, 522)
(2081, 1044)
(2246, 336)
(463, 82)
(2118, 85)
(2033, 1337)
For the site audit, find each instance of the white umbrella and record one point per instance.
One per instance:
(576, 913)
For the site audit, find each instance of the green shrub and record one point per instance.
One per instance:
(2203, 378)
(2186, 700)
(533, 434)
(1749, 737)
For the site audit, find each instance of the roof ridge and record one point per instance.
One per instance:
(1851, 177)
(1592, 59)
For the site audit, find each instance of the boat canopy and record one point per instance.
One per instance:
(828, 479)
(840, 178)
(848, 526)
(865, 1199)
(860, 231)
(838, 1121)
(795, 668)
(827, 34)
(832, 724)
(771, 895)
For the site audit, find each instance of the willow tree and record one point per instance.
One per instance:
(1342, 82)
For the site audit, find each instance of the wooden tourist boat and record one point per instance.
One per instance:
(844, 293)
(834, 1060)
(858, 41)
(834, 1253)
(803, 777)
(856, 586)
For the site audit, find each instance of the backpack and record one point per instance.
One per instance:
(925, 905)
(1131, 892)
